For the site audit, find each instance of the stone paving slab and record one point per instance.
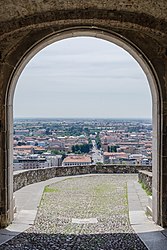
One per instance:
(150, 233)
(98, 203)
(84, 221)
(24, 201)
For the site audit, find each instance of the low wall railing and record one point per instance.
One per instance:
(27, 177)
(145, 178)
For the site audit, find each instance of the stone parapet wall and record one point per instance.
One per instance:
(145, 177)
(26, 177)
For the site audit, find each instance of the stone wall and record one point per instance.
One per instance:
(26, 177)
(145, 177)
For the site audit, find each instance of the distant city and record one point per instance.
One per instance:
(47, 142)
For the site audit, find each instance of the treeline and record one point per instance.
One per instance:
(98, 141)
(112, 149)
(82, 148)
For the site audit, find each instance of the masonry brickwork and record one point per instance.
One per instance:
(145, 177)
(138, 26)
(27, 177)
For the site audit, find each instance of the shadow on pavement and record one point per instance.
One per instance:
(115, 241)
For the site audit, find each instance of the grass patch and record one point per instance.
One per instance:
(148, 214)
(48, 189)
(148, 192)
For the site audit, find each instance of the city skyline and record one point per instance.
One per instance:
(82, 78)
(47, 142)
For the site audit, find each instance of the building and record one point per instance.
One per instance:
(29, 149)
(77, 160)
(55, 160)
(30, 163)
(114, 157)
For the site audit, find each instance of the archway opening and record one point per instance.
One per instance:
(87, 78)
(129, 47)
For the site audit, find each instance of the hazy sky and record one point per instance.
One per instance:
(83, 77)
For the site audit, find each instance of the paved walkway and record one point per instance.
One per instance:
(154, 237)
(28, 199)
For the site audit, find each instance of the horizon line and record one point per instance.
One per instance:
(130, 118)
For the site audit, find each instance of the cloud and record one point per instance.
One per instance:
(82, 70)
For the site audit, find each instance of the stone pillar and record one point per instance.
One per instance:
(163, 187)
(160, 148)
(6, 165)
(163, 202)
(5, 176)
(156, 162)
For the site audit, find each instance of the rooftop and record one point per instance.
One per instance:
(78, 158)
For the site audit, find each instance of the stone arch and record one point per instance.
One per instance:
(29, 51)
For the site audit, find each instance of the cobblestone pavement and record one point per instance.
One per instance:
(100, 200)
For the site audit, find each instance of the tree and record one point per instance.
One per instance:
(98, 141)
(20, 143)
(112, 148)
(82, 148)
